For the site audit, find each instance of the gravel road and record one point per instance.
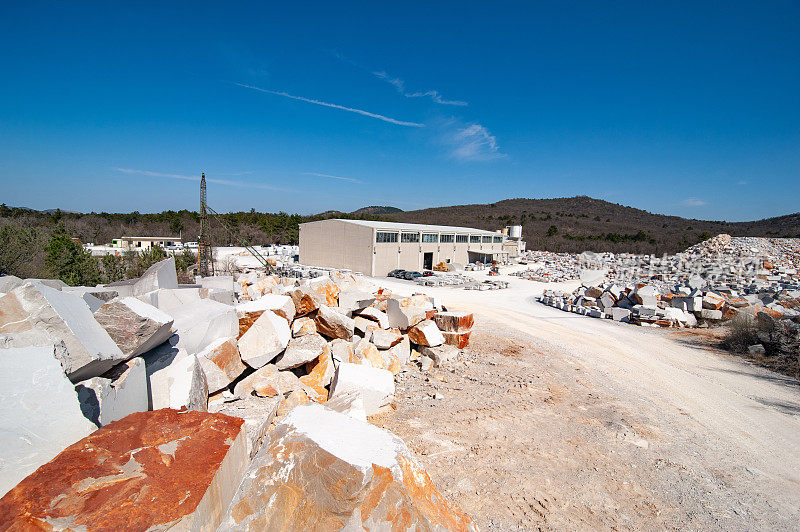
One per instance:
(559, 421)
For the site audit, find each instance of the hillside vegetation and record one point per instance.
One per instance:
(561, 224)
(582, 223)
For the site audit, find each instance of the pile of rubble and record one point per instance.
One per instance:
(552, 267)
(220, 405)
(713, 281)
(488, 284)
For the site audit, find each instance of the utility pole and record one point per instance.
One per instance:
(205, 267)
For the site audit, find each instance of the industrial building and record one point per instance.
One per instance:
(375, 248)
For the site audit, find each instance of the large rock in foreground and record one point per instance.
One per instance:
(40, 412)
(322, 470)
(148, 471)
(53, 316)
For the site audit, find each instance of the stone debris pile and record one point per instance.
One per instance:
(711, 282)
(551, 267)
(232, 403)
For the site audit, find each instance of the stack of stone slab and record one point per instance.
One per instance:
(711, 282)
(550, 267)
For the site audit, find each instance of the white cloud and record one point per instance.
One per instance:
(472, 142)
(352, 180)
(693, 202)
(334, 106)
(400, 85)
(226, 182)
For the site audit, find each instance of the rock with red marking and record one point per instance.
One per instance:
(148, 471)
(322, 290)
(265, 340)
(283, 306)
(221, 363)
(456, 327)
(303, 303)
(302, 326)
(456, 322)
(426, 333)
(398, 355)
(334, 324)
(322, 470)
(459, 340)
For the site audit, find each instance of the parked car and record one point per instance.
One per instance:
(410, 276)
(427, 273)
(396, 273)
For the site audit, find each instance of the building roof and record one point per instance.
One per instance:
(395, 226)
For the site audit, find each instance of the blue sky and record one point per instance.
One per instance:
(688, 108)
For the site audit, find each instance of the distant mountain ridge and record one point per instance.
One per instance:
(376, 209)
(582, 223)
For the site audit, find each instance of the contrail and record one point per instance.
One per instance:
(334, 106)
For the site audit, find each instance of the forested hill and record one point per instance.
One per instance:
(582, 223)
(561, 224)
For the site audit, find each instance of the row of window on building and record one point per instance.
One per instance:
(433, 238)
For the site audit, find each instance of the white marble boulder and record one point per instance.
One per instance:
(40, 412)
(264, 340)
(36, 311)
(120, 392)
(374, 386)
(201, 323)
(160, 275)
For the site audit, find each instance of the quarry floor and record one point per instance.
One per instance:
(560, 421)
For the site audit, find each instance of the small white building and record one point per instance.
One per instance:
(140, 243)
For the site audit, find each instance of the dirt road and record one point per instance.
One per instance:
(563, 421)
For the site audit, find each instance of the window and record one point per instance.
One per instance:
(498, 240)
(487, 239)
(410, 237)
(474, 239)
(382, 236)
(430, 237)
(446, 239)
(461, 239)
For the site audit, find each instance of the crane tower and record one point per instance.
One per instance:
(204, 260)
